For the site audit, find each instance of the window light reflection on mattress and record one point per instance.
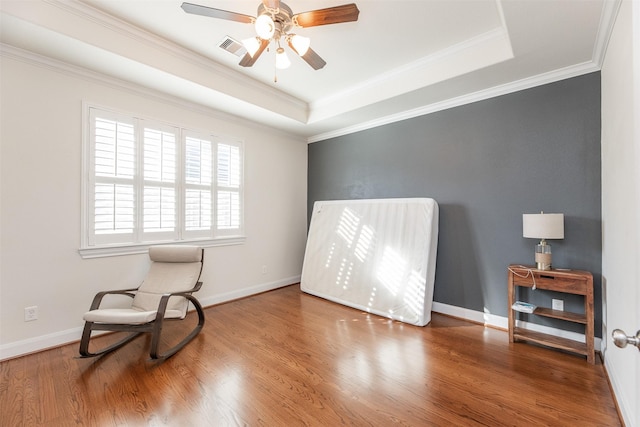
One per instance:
(344, 273)
(348, 226)
(414, 294)
(330, 256)
(392, 270)
(365, 239)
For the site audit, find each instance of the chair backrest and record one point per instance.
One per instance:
(173, 269)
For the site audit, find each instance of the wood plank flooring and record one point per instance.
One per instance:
(284, 358)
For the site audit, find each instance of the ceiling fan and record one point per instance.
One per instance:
(275, 21)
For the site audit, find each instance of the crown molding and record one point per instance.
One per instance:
(605, 28)
(111, 23)
(607, 20)
(76, 11)
(516, 86)
(35, 59)
(477, 52)
(418, 65)
(482, 50)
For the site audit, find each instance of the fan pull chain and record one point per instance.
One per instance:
(275, 71)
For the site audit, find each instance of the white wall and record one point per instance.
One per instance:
(621, 205)
(41, 150)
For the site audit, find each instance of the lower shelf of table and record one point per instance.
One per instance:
(550, 341)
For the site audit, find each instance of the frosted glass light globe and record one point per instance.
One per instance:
(265, 27)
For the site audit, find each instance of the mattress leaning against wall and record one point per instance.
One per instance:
(376, 255)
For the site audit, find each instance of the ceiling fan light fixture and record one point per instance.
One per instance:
(252, 45)
(282, 60)
(300, 44)
(265, 27)
(274, 23)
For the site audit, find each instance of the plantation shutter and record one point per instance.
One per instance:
(159, 195)
(149, 182)
(228, 188)
(198, 166)
(113, 166)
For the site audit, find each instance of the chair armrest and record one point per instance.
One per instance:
(195, 288)
(164, 299)
(98, 298)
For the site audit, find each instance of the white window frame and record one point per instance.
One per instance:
(98, 245)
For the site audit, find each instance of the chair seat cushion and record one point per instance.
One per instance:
(127, 316)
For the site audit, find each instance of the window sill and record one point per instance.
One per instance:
(118, 250)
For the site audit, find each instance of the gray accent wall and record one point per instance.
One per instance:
(486, 164)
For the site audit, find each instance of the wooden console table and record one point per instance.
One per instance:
(566, 281)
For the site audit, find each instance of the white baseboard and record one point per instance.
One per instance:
(246, 292)
(471, 315)
(501, 322)
(35, 344)
(624, 405)
(57, 339)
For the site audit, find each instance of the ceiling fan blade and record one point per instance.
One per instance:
(331, 15)
(271, 4)
(310, 56)
(197, 9)
(248, 60)
(313, 59)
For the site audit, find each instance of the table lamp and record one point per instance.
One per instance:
(543, 226)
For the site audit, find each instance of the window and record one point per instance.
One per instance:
(148, 182)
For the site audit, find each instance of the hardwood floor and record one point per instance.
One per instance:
(284, 358)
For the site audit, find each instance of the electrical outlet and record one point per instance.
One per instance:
(31, 313)
(264, 269)
(557, 304)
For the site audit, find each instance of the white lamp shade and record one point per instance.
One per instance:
(543, 226)
(300, 44)
(282, 60)
(265, 27)
(252, 45)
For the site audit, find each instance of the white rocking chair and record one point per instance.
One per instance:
(163, 295)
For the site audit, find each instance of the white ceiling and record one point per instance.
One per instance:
(400, 59)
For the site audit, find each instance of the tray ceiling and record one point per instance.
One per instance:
(400, 59)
